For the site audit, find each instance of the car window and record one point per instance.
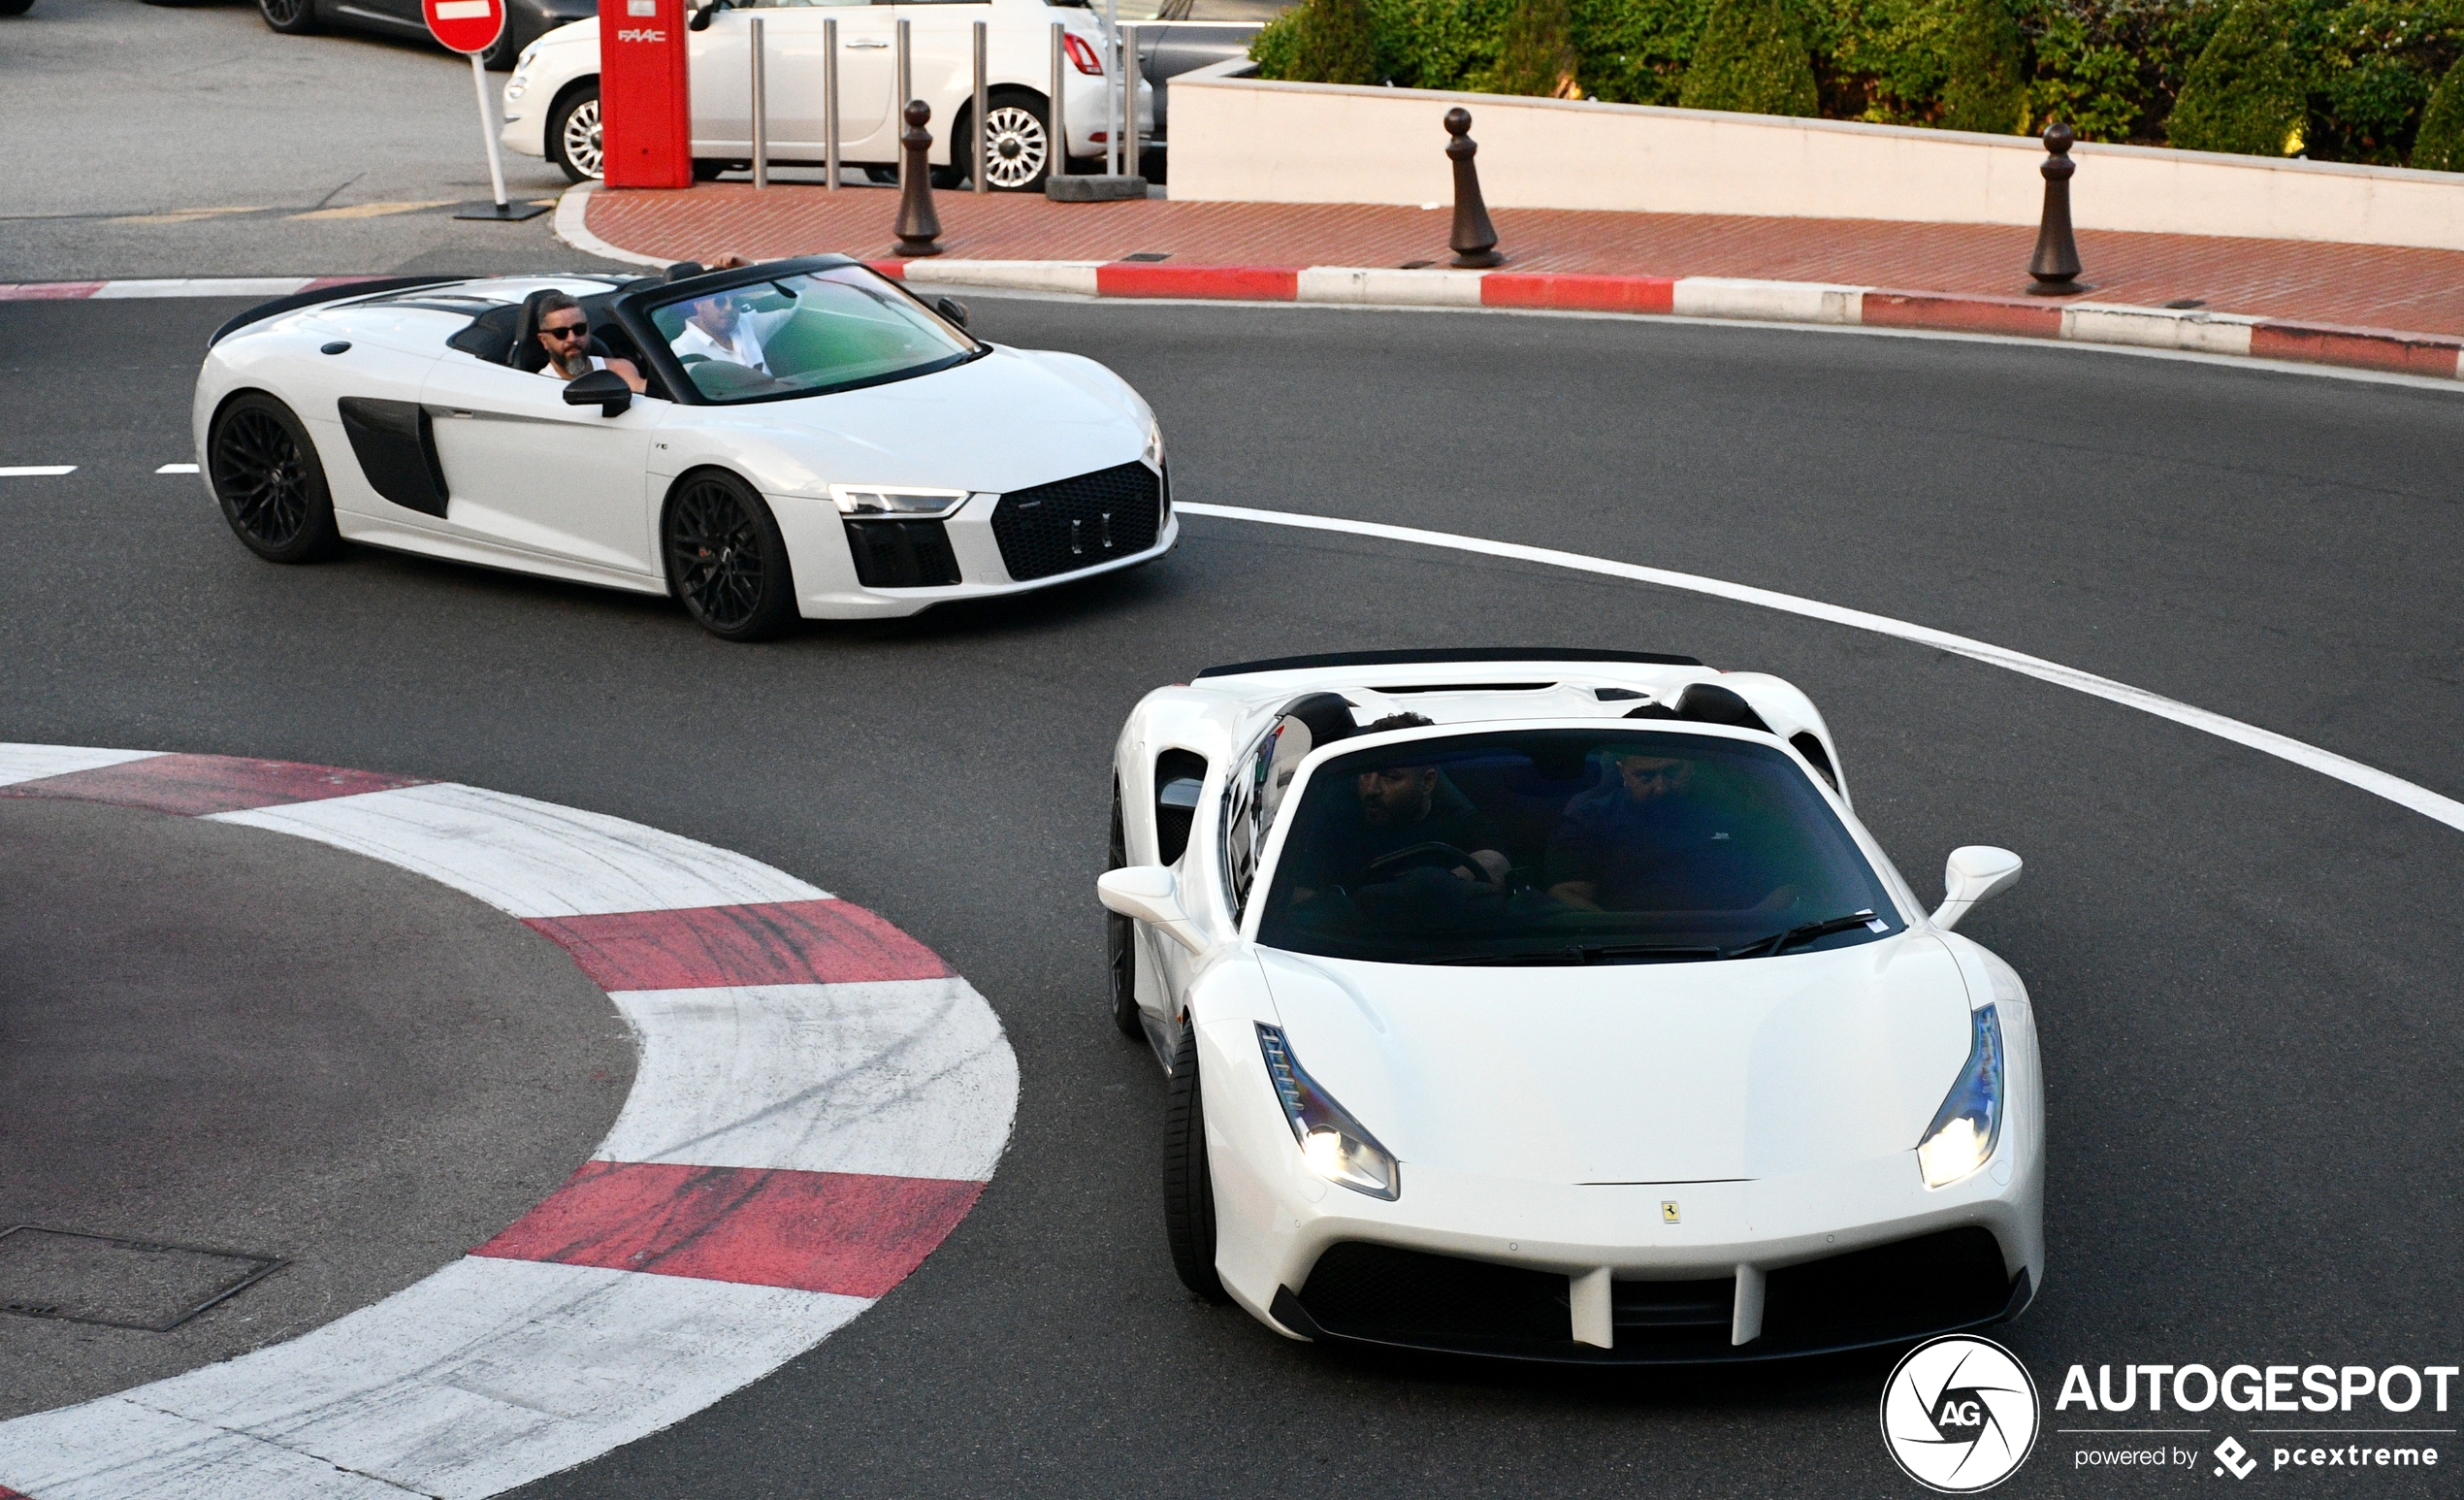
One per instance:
(805, 333)
(1565, 845)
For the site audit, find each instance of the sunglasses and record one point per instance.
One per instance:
(571, 331)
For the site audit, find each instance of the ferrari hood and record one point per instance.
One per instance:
(1008, 421)
(1635, 1073)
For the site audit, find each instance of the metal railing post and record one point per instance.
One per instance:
(1056, 114)
(1129, 72)
(981, 171)
(906, 90)
(830, 101)
(1111, 73)
(761, 111)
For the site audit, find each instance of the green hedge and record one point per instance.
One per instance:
(2349, 80)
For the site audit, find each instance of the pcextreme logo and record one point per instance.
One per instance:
(1960, 1414)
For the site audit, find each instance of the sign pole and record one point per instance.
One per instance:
(487, 129)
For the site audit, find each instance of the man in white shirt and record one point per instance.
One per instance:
(721, 328)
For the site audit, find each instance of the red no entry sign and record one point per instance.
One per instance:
(465, 25)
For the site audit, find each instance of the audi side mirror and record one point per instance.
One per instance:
(1974, 872)
(604, 389)
(1149, 894)
(953, 309)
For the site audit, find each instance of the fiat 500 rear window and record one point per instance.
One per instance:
(1568, 846)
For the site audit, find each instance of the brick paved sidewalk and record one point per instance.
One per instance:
(2368, 286)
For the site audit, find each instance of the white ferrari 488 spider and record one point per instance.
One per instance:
(1554, 1005)
(813, 441)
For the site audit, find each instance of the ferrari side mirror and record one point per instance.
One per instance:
(1149, 894)
(604, 389)
(953, 309)
(1974, 872)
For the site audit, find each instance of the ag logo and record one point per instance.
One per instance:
(1960, 1414)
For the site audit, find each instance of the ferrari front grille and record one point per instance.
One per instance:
(1070, 524)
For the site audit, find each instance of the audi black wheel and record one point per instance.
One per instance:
(266, 474)
(291, 17)
(726, 560)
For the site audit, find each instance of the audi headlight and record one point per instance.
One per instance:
(902, 500)
(1154, 443)
(1964, 1133)
(1332, 1142)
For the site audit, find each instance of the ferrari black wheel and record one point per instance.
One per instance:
(291, 17)
(1188, 1181)
(1121, 952)
(726, 560)
(266, 474)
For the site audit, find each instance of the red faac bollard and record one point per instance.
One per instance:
(645, 94)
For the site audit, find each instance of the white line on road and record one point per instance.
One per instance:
(2379, 783)
(177, 469)
(34, 470)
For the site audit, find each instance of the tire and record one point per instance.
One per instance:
(727, 563)
(1022, 143)
(575, 143)
(882, 176)
(1188, 1181)
(291, 17)
(1121, 942)
(266, 474)
(20, 7)
(707, 168)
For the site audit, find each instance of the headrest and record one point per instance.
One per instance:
(527, 353)
(683, 269)
(1328, 716)
(1707, 703)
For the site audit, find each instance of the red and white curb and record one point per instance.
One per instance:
(818, 1101)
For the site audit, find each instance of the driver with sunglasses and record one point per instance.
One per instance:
(564, 331)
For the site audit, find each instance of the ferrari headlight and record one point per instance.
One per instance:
(1963, 1134)
(1332, 1142)
(1154, 443)
(895, 499)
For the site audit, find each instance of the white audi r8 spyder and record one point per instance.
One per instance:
(1554, 1004)
(814, 441)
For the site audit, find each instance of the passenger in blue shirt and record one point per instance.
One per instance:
(1648, 840)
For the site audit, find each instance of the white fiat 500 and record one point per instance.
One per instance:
(813, 441)
(1554, 1005)
(552, 108)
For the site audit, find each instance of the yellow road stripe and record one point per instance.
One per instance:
(371, 210)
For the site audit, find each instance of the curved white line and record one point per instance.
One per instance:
(573, 226)
(2395, 788)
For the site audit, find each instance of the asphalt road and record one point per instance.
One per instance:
(221, 1036)
(2244, 971)
(187, 141)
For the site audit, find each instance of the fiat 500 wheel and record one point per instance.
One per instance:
(265, 472)
(573, 140)
(726, 560)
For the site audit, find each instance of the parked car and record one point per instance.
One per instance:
(525, 21)
(1165, 53)
(552, 109)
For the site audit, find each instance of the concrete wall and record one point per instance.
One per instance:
(1239, 138)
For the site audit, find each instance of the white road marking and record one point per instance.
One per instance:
(2379, 783)
(177, 469)
(532, 859)
(33, 762)
(485, 1375)
(35, 471)
(898, 1078)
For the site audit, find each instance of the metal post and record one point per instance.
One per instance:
(761, 111)
(1057, 115)
(1112, 71)
(979, 171)
(830, 101)
(1129, 71)
(906, 91)
(488, 129)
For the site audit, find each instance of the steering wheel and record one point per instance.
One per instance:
(1430, 856)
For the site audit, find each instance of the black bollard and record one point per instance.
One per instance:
(918, 225)
(1475, 239)
(2056, 263)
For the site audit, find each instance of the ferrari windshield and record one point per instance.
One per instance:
(1568, 846)
(805, 333)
